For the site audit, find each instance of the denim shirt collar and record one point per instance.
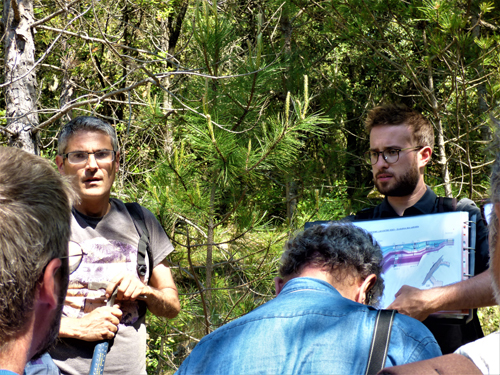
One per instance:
(301, 283)
(424, 206)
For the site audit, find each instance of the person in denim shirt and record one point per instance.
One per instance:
(320, 322)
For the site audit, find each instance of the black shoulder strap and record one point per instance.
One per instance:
(143, 248)
(365, 214)
(446, 204)
(380, 341)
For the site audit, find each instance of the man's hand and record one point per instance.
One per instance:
(468, 294)
(100, 324)
(128, 286)
(413, 302)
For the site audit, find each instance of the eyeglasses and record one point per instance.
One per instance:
(80, 157)
(390, 155)
(75, 256)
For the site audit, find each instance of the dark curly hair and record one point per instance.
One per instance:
(339, 246)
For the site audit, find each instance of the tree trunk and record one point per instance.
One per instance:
(172, 32)
(210, 247)
(20, 93)
(445, 174)
(482, 105)
(68, 62)
(291, 201)
(167, 98)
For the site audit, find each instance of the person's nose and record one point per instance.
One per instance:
(91, 162)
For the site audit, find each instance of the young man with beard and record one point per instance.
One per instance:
(401, 144)
(35, 210)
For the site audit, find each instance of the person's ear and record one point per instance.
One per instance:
(48, 288)
(425, 155)
(279, 283)
(60, 164)
(117, 160)
(365, 286)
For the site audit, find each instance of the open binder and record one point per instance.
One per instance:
(424, 251)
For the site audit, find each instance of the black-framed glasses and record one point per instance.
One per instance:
(390, 155)
(80, 157)
(75, 256)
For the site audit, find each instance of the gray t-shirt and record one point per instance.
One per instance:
(110, 246)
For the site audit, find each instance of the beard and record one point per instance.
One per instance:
(404, 184)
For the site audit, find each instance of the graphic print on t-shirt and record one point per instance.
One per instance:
(103, 260)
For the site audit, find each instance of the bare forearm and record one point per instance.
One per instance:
(468, 294)
(163, 302)
(70, 329)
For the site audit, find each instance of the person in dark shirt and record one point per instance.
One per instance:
(401, 144)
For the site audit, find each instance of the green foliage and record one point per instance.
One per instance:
(329, 205)
(489, 318)
(216, 107)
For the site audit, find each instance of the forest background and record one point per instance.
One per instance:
(241, 120)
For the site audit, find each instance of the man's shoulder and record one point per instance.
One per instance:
(488, 342)
(466, 204)
(412, 340)
(365, 214)
(131, 207)
(484, 353)
(412, 328)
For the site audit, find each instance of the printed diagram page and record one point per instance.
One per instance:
(421, 251)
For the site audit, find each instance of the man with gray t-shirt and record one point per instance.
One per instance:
(104, 252)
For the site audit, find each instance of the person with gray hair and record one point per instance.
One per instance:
(35, 210)
(124, 249)
(485, 352)
(320, 321)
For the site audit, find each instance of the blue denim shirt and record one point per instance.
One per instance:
(309, 328)
(44, 365)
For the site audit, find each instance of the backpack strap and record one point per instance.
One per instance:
(446, 204)
(135, 210)
(380, 341)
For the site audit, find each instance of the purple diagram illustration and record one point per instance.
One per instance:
(421, 251)
(410, 254)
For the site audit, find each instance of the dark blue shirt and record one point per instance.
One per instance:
(450, 333)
